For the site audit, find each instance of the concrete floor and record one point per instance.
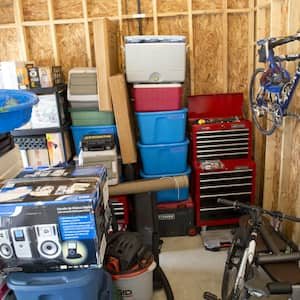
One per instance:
(191, 269)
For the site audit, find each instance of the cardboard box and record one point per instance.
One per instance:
(124, 118)
(56, 222)
(45, 77)
(38, 157)
(34, 78)
(45, 114)
(13, 75)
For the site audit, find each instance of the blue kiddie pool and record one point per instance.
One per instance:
(15, 108)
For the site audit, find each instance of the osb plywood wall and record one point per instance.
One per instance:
(220, 58)
(60, 32)
(279, 154)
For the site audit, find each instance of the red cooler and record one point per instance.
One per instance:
(157, 97)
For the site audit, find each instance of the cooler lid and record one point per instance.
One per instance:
(136, 39)
(215, 106)
(156, 86)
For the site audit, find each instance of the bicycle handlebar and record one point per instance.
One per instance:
(275, 214)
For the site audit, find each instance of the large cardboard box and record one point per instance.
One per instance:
(54, 222)
(124, 118)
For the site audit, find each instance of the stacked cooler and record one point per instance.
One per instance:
(156, 67)
(221, 157)
(89, 123)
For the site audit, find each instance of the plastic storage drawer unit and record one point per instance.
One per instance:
(91, 117)
(162, 127)
(171, 195)
(79, 131)
(93, 284)
(164, 158)
(157, 97)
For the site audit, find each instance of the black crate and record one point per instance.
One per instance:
(176, 218)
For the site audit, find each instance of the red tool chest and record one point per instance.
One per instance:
(234, 181)
(120, 210)
(223, 133)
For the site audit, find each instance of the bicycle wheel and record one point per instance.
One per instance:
(232, 266)
(266, 113)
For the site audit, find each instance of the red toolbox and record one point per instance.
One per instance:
(176, 218)
(120, 210)
(233, 180)
(222, 133)
(157, 97)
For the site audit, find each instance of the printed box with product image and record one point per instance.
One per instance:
(54, 222)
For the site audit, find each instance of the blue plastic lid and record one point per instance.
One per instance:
(167, 112)
(185, 142)
(186, 172)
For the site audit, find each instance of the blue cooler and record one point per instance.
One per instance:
(164, 158)
(172, 195)
(91, 284)
(162, 127)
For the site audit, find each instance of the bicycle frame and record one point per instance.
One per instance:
(271, 58)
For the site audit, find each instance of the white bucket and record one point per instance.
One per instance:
(137, 285)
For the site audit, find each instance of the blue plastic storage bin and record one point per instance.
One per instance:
(92, 284)
(172, 195)
(162, 127)
(79, 131)
(164, 158)
(15, 108)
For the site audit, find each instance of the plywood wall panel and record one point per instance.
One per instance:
(204, 4)
(103, 8)
(129, 7)
(67, 9)
(39, 45)
(238, 53)
(71, 45)
(6, 12)
(35, 10)
(131, 27)
(8, 37)
(232, 4)
(171, 6)
(91, 32)
(208, 54)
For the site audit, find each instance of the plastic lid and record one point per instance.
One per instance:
(156, 85)
(134, 39)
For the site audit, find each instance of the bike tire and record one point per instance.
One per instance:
(257, 119)
(232, 266)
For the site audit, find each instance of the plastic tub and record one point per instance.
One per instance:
(172, 195)
(136, 285)
(162, 127)
(79, 131)
(92, 284)
(164, 158)
(15, 108)
(157, 97)
(91, 117)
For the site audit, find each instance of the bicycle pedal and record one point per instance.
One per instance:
(255, 292)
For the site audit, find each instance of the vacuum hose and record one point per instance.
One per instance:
(165, 283)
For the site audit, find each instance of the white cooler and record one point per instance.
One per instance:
(154, 59)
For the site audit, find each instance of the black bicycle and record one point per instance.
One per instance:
(258, 243)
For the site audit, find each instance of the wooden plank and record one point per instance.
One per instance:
(225, 47)
(107, 58)
(251, 48)
(191, 47)
(155, 22)
(87, 33)
(18, 13)
(259, 139)
(289, 193)
(56, 53)
(124, 118)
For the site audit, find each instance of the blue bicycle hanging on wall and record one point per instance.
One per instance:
(271, 89)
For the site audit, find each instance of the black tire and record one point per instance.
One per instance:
(232, 265)
(264, 121)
